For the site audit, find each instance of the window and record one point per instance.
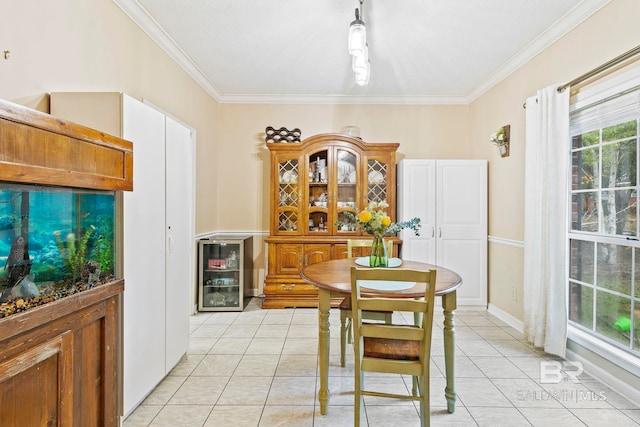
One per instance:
(604, 251)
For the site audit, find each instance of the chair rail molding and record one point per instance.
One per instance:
(506, 242)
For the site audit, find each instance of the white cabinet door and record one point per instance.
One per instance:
(417, 198)
(180, 238)
(462, 225)
(144, 253)
(450, 198)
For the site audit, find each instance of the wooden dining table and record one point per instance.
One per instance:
(333, 278)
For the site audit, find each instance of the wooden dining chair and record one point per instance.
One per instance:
(345, 305)
(396, 349)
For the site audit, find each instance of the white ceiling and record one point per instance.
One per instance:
(421, 51)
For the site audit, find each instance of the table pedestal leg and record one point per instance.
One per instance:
(449, 306)
(324, 305)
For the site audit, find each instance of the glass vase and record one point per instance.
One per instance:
(378, 257)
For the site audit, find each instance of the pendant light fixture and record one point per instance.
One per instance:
(358, 49)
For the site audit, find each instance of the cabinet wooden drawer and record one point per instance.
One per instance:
(285, 287)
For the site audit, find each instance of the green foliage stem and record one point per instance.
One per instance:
(72, 255)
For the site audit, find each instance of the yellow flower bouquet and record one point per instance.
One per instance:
(375, 221)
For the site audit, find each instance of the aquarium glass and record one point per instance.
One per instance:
(53, 242)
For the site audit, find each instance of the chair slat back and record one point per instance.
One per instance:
(424, 307)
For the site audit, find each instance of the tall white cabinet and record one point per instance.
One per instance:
(450, 198)
(158, 224)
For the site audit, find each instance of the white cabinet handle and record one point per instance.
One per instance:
(170, 243)
(439, 231)
(433, 232)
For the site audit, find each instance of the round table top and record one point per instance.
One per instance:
(335, 276)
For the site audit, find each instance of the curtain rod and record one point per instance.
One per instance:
(599, 69)
(604, 67)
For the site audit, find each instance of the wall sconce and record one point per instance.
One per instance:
(359, 49)
(500, 138)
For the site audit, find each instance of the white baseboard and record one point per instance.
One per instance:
(615, 383)
(506, 318)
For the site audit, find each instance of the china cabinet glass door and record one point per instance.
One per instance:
(288, 195)
(347, 190)
(319, 194)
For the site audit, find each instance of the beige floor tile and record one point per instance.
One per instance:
(480, 392)
(230, 346)
(235, 415)
(272, 331)
(198, 345)
(291, 365)
(217, 365)
(257, 365)
(289, 391)
(209, 331)
(246, 391)
(440, 417)
(266, 346)
(199, 391)
(492, 333)
(337, 416)
(186, 366)
(308, 346)
(165, 390)
(222, 318)
(498, 367)
(259, 368)
(526, 393)
(476, 348)
(392, 415)
(513, 348)
(603, 417)
(496, 417)
(142, 416)
(182, 415)
(551, 417)
(287, 416)
(240, 331)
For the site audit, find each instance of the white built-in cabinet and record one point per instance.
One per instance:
(158, 224)
(450, 198)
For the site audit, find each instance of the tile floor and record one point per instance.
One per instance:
(259, 368)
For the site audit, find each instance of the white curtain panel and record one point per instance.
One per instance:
(545, 230)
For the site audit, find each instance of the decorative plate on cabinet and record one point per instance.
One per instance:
(289, 177)
(376, 177)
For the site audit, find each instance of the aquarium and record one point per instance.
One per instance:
(54, 242)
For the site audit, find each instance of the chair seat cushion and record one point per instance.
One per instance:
(346, 305)
(385, 348)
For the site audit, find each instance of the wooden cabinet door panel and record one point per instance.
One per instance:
(314, 254)
(288, 259)
(30, 384)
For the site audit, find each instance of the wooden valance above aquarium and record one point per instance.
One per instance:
(37, 148)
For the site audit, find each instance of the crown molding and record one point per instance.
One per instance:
(568, 22)
(343, 99)
(139, 16)
(565, 24)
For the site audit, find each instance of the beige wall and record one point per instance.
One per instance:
(608, 33)
(91, 45)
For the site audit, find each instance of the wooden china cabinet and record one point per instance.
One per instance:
(313, 184)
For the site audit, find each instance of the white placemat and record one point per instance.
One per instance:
(364, 262)
(383, 285)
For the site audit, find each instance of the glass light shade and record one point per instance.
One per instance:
(357, 37)
(362, 75)
(361, 61)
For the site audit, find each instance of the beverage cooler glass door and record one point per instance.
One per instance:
(220, 271)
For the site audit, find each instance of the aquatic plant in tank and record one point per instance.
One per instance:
(54, 242)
